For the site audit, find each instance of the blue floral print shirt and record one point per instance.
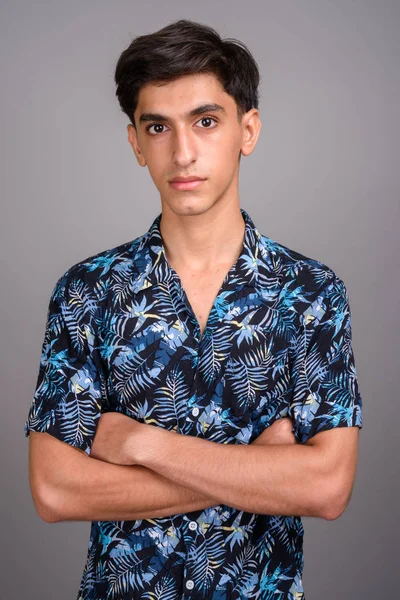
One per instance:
(121, 336)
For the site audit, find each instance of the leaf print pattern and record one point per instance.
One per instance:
(121, 336)
(326, 392)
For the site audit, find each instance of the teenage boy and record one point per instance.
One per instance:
(197, 391)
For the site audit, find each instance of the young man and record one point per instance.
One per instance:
(201, 377)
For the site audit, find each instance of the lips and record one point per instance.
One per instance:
(185, 184)
(185, 179)
(188, 184)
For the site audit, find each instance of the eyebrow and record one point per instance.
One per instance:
(199, 110)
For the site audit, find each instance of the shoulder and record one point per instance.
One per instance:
(95, 274)
(304, 281)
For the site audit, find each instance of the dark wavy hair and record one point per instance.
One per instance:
(185, 47)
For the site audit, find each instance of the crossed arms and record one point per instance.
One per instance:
(139, 471)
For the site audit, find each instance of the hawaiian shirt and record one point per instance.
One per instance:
(122, 336)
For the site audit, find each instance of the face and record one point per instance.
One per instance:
(189, 127)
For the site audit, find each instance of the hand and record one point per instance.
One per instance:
(114, 436)
(280, 432)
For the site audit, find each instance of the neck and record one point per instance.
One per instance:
(202, 241)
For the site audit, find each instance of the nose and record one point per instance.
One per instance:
(184, 147)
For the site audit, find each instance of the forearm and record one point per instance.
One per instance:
(87, 489)
(270, 479)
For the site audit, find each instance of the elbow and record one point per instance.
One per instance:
(46, 515)
(45, 501)
(334, 502)
(333, 512)
(47, 476)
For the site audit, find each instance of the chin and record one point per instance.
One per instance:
(186, 205)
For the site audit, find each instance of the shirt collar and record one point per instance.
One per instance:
(153, 266)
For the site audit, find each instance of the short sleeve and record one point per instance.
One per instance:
(68, 396)
(326, 392)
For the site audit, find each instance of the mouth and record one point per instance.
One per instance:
(186, 185)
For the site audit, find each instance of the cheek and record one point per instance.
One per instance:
(157, 171)
(223, 161)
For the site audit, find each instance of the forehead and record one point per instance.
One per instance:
(182, 94)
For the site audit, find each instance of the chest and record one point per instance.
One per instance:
(201, 290)
(226, 386)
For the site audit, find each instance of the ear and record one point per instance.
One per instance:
(251, 125)
(134, 142)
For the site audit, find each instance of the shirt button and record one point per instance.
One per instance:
(190, 584)
(192, 525)
(195, 411)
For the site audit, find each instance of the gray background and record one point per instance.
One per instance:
(324, 180)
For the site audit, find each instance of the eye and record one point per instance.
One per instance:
(207, 119)
(161, 125)
(155, 125)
